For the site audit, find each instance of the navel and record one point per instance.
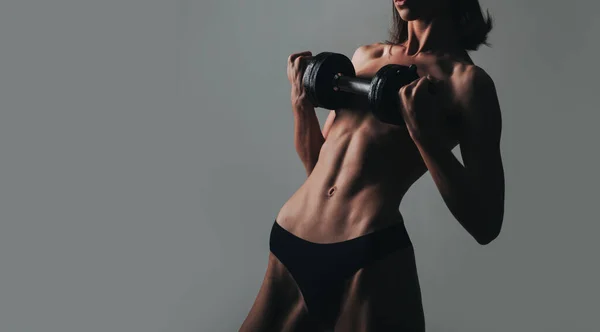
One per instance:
(331, 191)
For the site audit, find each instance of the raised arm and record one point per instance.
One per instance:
(474, 193)
(308, 137)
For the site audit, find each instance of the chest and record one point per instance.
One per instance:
(447, 72)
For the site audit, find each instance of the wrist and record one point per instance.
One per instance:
(300, 101)
(424, 139)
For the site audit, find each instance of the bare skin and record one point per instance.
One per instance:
(359, 169)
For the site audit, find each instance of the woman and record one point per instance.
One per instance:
(340, 258)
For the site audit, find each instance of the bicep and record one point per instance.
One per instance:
(482, 122)
(328, 124)
(480, 140)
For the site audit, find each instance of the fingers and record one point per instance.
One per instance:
(424, 83)
(423, 88)
(408, 90)
(292, 58)
(297, 61)
(297, 64)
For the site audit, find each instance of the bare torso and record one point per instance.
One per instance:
(365, 166)
(364, 169)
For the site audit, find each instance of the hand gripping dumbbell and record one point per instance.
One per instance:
(330, 81)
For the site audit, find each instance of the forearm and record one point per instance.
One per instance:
(460, 193)
(308, 137)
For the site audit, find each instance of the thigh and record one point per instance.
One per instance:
(279, 305)
(384, 296)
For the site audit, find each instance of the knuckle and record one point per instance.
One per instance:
(405, 90)
(294, 56)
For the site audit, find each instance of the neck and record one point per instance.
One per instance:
(432, 35)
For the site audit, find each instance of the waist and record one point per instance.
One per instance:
(312, 213)
(378, 189)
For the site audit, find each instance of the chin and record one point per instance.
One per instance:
(407, 14)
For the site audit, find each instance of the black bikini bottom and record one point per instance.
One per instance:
(320, 269)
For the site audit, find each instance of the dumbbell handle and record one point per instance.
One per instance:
(353, 85)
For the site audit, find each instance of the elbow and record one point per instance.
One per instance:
(490, 233)
(487, 224)
(486, 239)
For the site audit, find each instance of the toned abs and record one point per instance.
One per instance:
(365, 166)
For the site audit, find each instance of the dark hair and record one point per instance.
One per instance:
(472, 26)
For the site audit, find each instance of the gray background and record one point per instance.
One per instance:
(146, 147)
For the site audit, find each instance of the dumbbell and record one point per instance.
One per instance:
(330, 82)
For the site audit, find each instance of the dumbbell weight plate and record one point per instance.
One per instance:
(318, 80)
(383, 96)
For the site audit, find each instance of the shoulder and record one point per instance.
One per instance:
(472, 85)
(369, 48)
(472, 77)
(475, 93)
(366, 52)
